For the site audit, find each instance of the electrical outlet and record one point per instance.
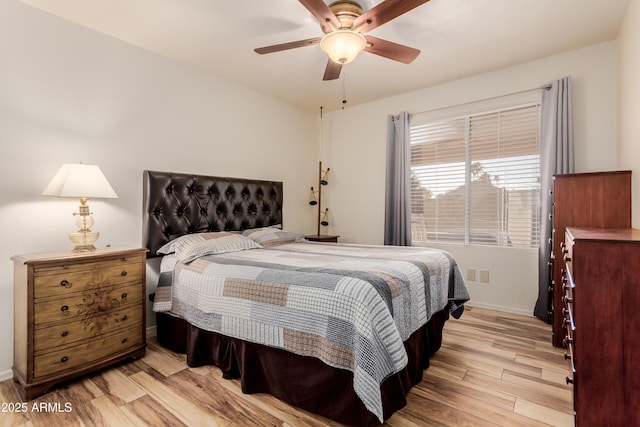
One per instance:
(471, 274)
(484, 276)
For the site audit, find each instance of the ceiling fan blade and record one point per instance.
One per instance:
(385, 12)
(322, 13)
(391, 50)
(287, 46)
(332, 71)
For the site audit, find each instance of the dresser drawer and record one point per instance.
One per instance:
(64, 279)
(87, 304)
(91, 352)
(567, 252)
(568, 289)
(67, 333)
(570, 356)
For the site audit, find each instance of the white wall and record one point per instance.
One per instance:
(354, 147)
(629, 90)
(70, 94)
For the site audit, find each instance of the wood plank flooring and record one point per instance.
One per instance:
(494, 369)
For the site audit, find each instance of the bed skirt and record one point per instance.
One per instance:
(302, 381)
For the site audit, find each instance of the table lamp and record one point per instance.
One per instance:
(85, 182)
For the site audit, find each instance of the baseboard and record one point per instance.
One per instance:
(528, 313)
(5, 375)
(152, 331)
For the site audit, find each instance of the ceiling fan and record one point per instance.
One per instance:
(344, 24)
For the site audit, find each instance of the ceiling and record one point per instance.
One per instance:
(458, 38)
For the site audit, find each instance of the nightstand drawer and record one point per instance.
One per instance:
(86, 304)
(77, 356)
(65, 279)
(69, 332)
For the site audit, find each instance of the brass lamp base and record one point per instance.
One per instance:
(84, 240)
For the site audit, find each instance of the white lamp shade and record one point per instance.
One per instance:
(343, 46)
(79, 180)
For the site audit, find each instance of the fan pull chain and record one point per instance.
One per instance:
(344, 90)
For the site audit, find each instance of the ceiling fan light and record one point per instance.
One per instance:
(343, 46)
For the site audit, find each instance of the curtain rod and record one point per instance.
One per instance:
(544, 87)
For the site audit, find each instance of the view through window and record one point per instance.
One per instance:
(475, 179)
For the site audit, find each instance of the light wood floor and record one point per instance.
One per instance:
(493, 369)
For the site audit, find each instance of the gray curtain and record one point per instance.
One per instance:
(556, 157)
(397, 212)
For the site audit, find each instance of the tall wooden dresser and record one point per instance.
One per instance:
(598, 199)
(601, 282)
(75, 313)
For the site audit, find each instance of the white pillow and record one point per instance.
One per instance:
(192, 246)
(269, 236)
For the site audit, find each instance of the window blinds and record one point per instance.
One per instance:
(475, 179)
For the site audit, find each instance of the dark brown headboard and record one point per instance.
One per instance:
(175, 204)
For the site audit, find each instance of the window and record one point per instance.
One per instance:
(475, 178)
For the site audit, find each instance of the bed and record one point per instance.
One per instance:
(340, 330)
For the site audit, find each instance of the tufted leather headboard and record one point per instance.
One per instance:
(175, 204)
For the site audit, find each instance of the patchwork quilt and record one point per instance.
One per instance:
(351, 306)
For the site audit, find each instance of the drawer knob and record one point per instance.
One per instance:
(123, 318)
(65, 283)
(567, 356)
(569, 380)
(64, 359)
(124, 340)
(64, 333)
(124, 295)
(64, 308)
(124, 273)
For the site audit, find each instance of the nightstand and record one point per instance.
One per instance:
(76, 312)
(322, 238)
